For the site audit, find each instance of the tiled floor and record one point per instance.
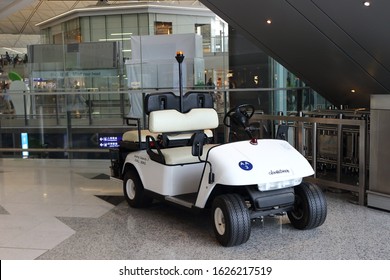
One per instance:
(62, 209)
(33, 193)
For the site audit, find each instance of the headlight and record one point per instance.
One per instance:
(279, 185)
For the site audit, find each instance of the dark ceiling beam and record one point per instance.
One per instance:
(30, 16)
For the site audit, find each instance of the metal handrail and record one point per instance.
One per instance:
(298, 124)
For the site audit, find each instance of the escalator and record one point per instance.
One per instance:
(337, 47)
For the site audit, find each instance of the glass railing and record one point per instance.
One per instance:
(86, 124)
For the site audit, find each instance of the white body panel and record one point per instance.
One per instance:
(165, 179)
(241, 163)
(234, 164)
(271, 161)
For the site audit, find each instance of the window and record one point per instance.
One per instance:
(162, 28)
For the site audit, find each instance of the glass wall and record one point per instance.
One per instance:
(250, 68)
(93, 71)
(122, 27)
(294, 96)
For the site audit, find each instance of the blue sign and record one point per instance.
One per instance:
(107, 141)
(245, 165)
(24, 140)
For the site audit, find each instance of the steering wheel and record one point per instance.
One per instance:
(240, 115)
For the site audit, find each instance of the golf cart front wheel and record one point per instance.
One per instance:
(133, 190)
(310, 207)
(231, 220)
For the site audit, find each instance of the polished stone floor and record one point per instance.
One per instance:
(64, 209)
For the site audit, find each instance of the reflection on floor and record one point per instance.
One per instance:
(63, 209)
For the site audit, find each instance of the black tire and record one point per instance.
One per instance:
(231, 220)
(310, 207)
(133, 190)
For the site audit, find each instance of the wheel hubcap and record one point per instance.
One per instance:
(219, 221)
(298, 210)
(130, 189)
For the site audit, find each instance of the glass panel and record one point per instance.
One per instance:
(143, 23)
(114, 27)
(57, 35)
(85, 28)
(98, 28)
(204, 30)
(72, 31)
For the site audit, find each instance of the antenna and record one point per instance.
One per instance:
(179, 58)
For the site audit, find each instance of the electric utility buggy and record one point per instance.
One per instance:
(176, 161)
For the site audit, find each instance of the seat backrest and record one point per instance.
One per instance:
(161, 101)
(165, 121)
(194, 99)
(168, 100)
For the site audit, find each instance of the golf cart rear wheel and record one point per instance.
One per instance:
(231, 220)
(310, 208)
(133, 190)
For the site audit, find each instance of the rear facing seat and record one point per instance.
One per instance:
(133, 135)
(136, 139)
(182, 155)
(172, 121)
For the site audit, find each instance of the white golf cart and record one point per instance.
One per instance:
(176, 161)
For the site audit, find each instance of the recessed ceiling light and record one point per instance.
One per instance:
(353, 91)
(367, 3)
(269, 21)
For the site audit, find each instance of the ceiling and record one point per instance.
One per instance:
(338, 47)
(18, 18)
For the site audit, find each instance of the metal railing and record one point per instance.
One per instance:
(306, 132)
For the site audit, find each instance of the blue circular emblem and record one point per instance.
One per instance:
(245, 165)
